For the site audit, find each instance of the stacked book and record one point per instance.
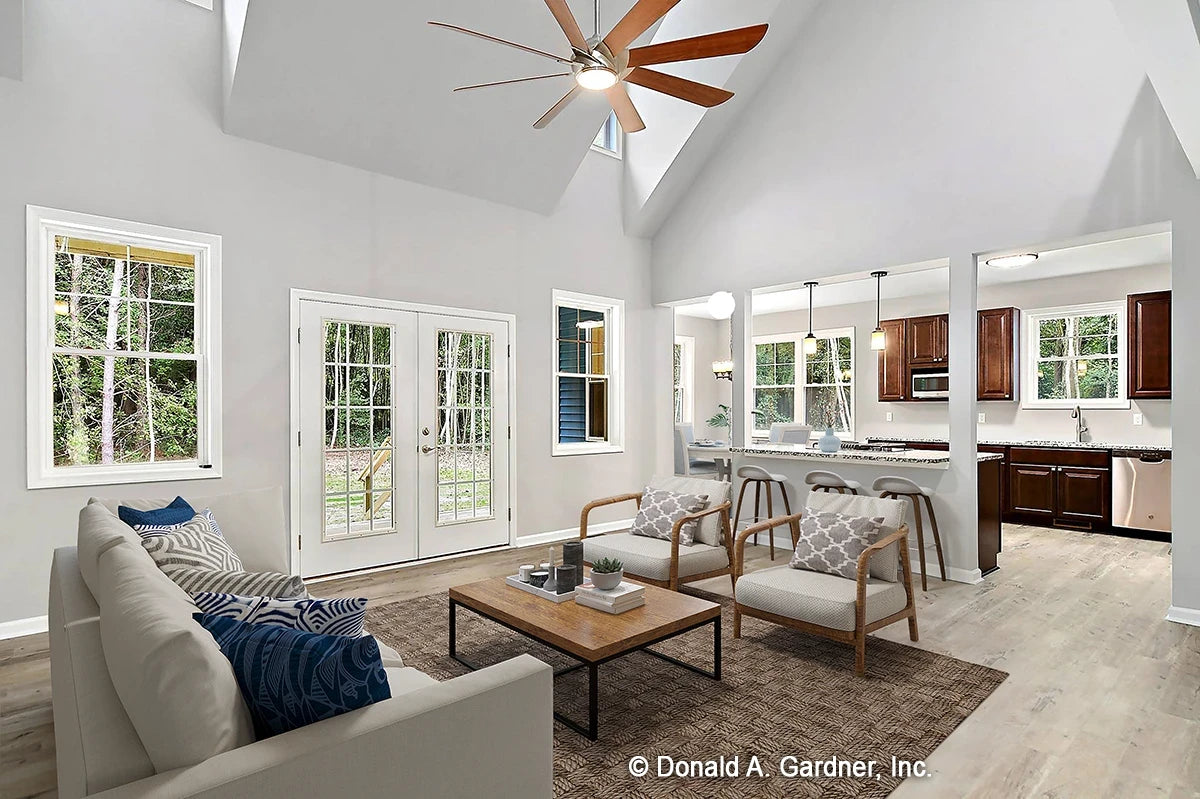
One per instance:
(625, 596)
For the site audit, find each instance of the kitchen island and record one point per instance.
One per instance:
(866, 465)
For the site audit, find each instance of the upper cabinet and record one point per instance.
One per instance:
(893, 367)
(1150, 345)
(929, 340)
(999, 346)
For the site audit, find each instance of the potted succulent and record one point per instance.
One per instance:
(607, 573)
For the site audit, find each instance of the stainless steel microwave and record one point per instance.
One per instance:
(931, 385)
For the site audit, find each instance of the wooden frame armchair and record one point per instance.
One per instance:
(674, 577)
(862, 601)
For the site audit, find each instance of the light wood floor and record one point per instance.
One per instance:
(1103, 697)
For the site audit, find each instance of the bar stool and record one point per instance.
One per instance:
(760, 476)
(896, 487)
(831, 481)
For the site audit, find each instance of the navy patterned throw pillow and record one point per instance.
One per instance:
(178, 512)
(290, 678)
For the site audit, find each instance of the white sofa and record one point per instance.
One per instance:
(488, 733)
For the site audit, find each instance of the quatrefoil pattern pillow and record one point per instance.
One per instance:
(832, 542)
(661, 509)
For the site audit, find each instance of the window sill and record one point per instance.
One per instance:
(1068, 405)
(596, 148)
(66, 477)
(561, 450)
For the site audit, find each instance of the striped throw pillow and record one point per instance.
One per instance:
(196, 544)
(270, 584)
(326, 616)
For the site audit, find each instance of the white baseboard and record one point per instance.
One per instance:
(20, 627)
(1184, 615)
(553, 536)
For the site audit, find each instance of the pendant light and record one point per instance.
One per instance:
(810, 341)
(878, 337)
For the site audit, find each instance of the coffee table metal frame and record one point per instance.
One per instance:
(591, 731)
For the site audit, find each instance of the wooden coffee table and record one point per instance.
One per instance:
(590, 636)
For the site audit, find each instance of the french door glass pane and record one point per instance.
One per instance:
(357, 438)
(464, 418)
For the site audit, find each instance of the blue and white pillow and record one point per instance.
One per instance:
(146, 530)
(291, 678)
(325, 616)
(178, 512)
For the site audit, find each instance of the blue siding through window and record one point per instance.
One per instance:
(572, 358)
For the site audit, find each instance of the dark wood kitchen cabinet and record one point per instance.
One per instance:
(1082, 494)
(1059, 487)
(893, 367)
(1031, 489)
(928, 340)
(1150, 345)
(998, 373)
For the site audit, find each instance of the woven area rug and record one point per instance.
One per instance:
(782, 693)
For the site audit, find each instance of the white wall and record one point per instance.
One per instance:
(118, 115)
(711, 344)
(1005, 421)
(900, 132)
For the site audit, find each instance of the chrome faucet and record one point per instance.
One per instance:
(1080, 427)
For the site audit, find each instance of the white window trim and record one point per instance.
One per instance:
(620, 140)
(800, 405)
(1031, 352)
(614, 317)
(687, 378)
(42, 224)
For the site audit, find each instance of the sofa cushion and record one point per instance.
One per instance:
(822, 599)
(660, 509)
(253, 523)
(272, 584)
(709, 530)
(885, 565)
(197, 544)
(178, 512)
(291, 679)
(406, 679)
(833, 542)
(326, 616)
(99, 531)
(651, 557)
(178, 689)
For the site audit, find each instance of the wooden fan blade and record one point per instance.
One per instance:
(627, 115)
(511, 80)
(566, 21)
(684, 89)
(505, 42)
(549, 116)
(639, 19)
(711, 45)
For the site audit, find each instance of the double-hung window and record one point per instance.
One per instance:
(608, 139)
(589, 404)
(1076, 356)
(683, 371)
(792, 386)
(123, 351)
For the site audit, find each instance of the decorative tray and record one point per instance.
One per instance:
(530, 588)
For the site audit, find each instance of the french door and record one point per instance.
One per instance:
(404, 435)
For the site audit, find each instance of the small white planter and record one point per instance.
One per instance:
(607, 582)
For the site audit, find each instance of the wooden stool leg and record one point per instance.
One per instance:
(737, 517)
(770, 515)
(757, 508)
(937, 539)
(920, 540)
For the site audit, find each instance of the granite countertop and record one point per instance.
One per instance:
(1049, 443)
(920, 459)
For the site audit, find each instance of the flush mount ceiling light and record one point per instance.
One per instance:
(721, 305)
(810, 341)
(1012, 261)
(596, 79)
(878, 337)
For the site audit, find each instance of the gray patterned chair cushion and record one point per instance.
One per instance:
(660, 509)
(709, 531)
(651, 557)
(822, 599)
(885, 564)
(832, 542)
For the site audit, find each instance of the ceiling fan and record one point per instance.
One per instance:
(605, 64)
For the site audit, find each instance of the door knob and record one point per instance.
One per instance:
(424, 431)
(426, 449)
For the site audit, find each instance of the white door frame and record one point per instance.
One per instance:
(299, 295)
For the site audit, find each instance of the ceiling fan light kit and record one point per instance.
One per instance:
(606, 64)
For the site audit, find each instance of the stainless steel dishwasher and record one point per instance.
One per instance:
(1141, 489)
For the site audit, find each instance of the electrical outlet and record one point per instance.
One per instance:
(889, 416)
(1137, 418)
(983, 418)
